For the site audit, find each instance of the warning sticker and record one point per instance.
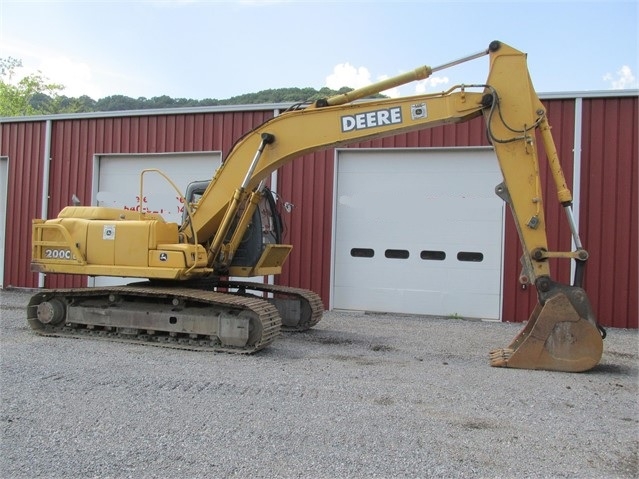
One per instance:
(108, 233)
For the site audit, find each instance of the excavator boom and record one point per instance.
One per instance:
(561, 333)
(295, 133)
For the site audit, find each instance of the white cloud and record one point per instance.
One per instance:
(430, 84)
(392, 92)
(346, 75)
(623, 78)
(77, 77)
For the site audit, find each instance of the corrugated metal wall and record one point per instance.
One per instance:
(608, 208)
(24, 144)
(609, 216)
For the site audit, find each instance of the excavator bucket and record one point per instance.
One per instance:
(561, 335)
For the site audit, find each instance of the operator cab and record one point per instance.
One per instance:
(266, 226)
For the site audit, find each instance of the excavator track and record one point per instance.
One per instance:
(181, 318)
(300, 309)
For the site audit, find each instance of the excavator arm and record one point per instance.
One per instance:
(561, 334)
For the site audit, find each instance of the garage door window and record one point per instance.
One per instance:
(433, 255)
(396, 254)
(470, 256)
(362, 253)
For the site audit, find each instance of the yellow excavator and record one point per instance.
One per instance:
(232, 230)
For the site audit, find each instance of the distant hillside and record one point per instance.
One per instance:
(86, 104)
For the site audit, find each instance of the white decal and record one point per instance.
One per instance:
(372, 119)
(108, 233)
(58, 254)
(418, 111)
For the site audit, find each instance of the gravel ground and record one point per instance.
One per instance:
(361, 395)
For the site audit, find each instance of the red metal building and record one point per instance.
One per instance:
(50, 158)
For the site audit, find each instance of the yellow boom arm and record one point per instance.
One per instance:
(508, 100)
(295, 133)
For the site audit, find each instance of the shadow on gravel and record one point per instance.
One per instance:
(334, 338)
(620, 369)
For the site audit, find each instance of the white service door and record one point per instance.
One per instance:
(4, 178)
(418, 232)
(118, 185)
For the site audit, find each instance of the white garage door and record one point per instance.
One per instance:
(4, 178)
(419, 232)
(117, 184)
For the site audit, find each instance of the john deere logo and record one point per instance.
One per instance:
(372, 119)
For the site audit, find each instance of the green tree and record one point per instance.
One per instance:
(31, 95)
(117, 103)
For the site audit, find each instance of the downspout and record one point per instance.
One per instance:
(576, 171)
(44, 207)
(271, 278)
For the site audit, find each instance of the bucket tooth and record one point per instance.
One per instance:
(561, 335)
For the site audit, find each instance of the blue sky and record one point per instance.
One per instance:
(219, 49)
